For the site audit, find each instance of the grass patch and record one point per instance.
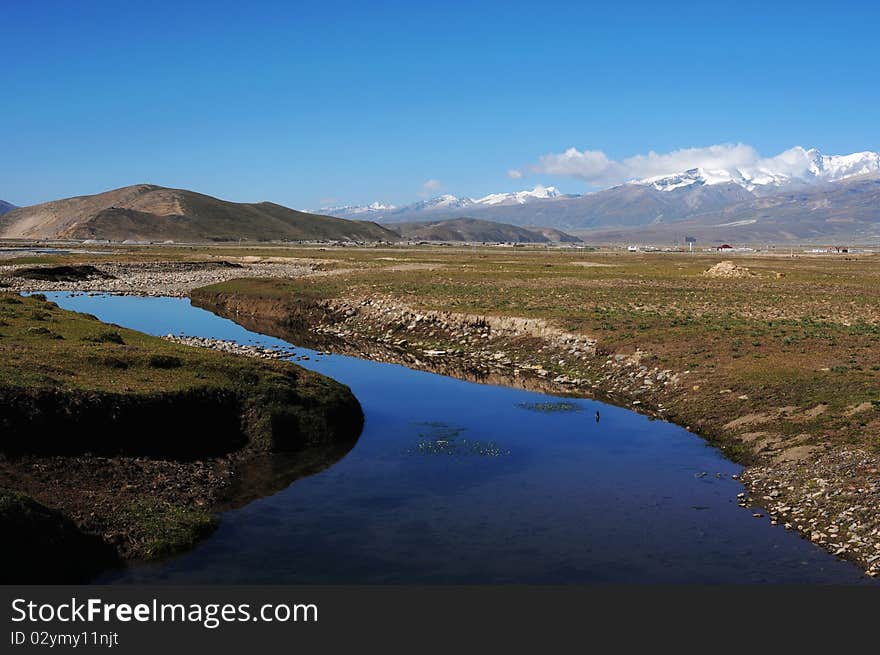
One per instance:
(64, 273)
(85, 378)
(107, 336)
(163, 529)
(165, 361)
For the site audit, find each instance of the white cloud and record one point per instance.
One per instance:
(429, 187)
(794, 162)
(514, 174)
(592, 166)
(597, 169)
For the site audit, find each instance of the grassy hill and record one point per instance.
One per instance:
(147, 212)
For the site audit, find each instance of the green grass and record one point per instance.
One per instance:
(78, 352)
(55, 363)
(164, 529)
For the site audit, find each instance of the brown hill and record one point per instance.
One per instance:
(146, 212)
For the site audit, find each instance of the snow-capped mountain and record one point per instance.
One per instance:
(347, 211)
(6, 207)
(839, 167)
(793, 168)
(444, 203)
(519, 197)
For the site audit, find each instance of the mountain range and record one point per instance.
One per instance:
(145, 212)
(799, 195)
(445, 204)
(473, 230)
(844, 212)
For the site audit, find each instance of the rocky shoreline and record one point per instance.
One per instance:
(836, 509)
(232, 347)
(175, 279)
(831, 498)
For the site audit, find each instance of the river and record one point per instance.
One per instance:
(458, 482)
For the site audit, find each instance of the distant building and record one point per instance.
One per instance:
(725, 246)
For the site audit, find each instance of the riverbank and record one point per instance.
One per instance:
(763, 380)
(138, 440)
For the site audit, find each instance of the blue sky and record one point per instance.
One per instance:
(310, 103)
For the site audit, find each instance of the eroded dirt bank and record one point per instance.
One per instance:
(117, 445)
(830, 495)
